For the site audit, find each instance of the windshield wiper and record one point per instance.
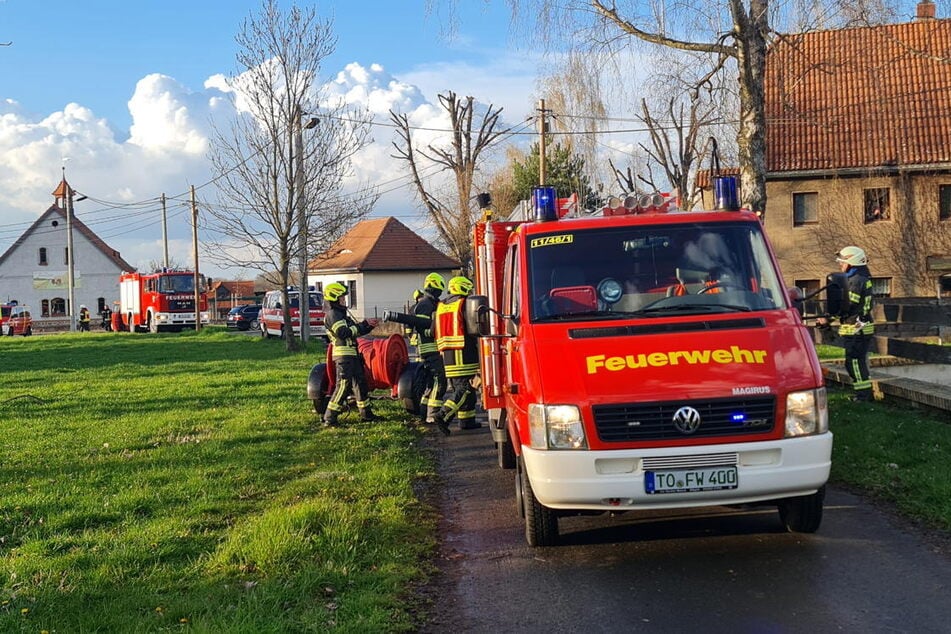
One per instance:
(581, 314)
(687, 308)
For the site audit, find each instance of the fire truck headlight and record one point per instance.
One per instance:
(807, 413)
(556, 427)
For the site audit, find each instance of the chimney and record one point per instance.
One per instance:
(926, 11)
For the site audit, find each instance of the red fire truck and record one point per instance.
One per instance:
(160, 301)
(646, 358)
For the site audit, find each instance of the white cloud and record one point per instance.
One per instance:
(166, 151)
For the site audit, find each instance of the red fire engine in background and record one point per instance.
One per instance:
(160, 301)
(646, 358)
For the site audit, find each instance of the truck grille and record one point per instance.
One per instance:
(181, 305)
(655, 421)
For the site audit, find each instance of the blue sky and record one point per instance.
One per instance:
(121, 88)
(94, 51)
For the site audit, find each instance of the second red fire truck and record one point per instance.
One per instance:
(160, 301)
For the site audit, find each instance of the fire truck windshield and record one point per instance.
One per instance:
(177, 284)
(616, 272)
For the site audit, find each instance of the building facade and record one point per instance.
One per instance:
(859, 153)
(34, 271)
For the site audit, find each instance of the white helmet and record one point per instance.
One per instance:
(853, 256)
(82, 305)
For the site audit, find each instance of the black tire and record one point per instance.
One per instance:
(541, 522)
(318, 388)
(28, 331)
(413, 381)
(152, 325)
(253, 325)
(802, 514)
(131, 324)
(506, 454)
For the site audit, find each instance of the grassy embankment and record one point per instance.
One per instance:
(169, 482)
(180, 481)
(894, 453)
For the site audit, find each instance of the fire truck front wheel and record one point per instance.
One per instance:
(541, 522)
(152, 324)
(802, 514)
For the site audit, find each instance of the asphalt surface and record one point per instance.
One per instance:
(720, 570)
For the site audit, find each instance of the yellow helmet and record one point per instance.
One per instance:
(460, 285)
(435, 280)
(853, 256)
(334, 291)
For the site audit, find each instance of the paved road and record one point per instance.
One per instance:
(725, 570)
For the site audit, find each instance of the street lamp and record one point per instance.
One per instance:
(70, 262)
(304, 295)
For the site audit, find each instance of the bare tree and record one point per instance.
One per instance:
(275, 185)
(471, 135)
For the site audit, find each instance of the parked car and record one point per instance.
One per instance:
(243, 317)
(15, 320)
(272, 315)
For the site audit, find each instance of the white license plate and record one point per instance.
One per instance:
(687, 480)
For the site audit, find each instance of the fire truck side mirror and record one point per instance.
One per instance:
(837, 293)
(477, 315)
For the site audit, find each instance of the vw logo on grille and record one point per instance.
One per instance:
(686, 420)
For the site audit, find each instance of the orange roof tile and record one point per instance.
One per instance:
(382, 244)
(871, 97)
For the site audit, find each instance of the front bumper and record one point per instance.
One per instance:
(614, 480)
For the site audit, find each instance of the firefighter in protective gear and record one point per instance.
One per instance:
(424, 338)
(349, 375)
(84, 318)
(855, 319)
(460, 354)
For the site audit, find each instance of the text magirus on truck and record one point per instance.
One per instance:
(646, 357)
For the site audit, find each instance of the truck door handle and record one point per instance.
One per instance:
(512, 388)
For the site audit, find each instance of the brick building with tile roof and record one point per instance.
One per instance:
(381, 261)
(859, 151)
(223, 295)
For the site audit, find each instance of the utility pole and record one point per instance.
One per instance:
(541, 143)
(69, 254)
(303, 232)
(164, 231)
(195, 273)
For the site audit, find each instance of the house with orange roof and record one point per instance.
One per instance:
(381, 261)
(34, 270)
(859, 152)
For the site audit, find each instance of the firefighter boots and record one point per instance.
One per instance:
(367, 415)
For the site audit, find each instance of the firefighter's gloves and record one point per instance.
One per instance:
(364, 327)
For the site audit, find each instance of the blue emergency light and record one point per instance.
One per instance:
(545, 204)
(725, 193)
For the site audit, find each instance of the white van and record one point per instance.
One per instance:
(271, 317)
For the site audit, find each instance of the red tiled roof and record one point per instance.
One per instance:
(79, 227)
(860, 98)
(238, 288)
(382, 244)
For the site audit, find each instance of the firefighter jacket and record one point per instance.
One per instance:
(343, 330)
(423, 326)
(856, 316)
(460, 352)
(84, 315)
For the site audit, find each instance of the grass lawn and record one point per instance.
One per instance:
(181, 482)
(160, 482)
